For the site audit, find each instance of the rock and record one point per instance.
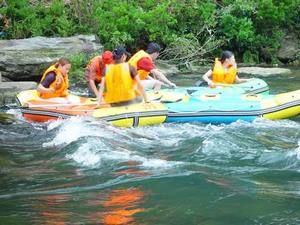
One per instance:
(26, 59)
(6, 118)
(290, 48)
(8, 90)
(200, 69)
(167, 69)
(264, 72)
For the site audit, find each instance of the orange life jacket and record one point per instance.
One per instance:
(99, 65)
(134, 60)
(219, 75)
(119, 84)
(62, 89)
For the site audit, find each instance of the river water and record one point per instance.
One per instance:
(82, 171)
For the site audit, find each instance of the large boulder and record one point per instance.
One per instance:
(9, 90)
(290, 48)
(167, 69)
(262, 71)
(26, 59)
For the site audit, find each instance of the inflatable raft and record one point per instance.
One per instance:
(36, 109)
(227, 108)
(168, 106)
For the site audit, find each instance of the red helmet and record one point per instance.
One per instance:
(107, 57)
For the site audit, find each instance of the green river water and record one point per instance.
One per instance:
(82, 171)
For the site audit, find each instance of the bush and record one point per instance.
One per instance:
(77, 72)
(248, 28)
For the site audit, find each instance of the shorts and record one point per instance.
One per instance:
(150, 84)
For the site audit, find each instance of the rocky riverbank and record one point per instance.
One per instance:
(26, 59)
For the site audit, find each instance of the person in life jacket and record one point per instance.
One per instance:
(143, 61)
(120, 82)
(55, 82)
(93, 71)
(224, 71)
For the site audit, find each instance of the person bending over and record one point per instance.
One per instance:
(143, 61)
(119, 82)
(93, 71)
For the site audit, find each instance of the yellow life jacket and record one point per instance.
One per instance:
(119, 86)
(62, 90)
(219, 75)
(134, 60)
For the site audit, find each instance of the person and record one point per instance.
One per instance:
(120, 80)
(143, 61)
(55, 82)
(93, 71)
(224, 71)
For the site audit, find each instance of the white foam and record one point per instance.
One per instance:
(159, 163)
(72, 129)
(217, 147)
(85, 156)
(93, 154)
(53, 124)
(265, 123)
(125, 155)
(296, 152)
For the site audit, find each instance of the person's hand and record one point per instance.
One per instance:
(99, 101)
(58, 84)
(52, 90)
(210, 83)
(172, 85)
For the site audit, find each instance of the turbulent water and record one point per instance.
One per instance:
(83, 171)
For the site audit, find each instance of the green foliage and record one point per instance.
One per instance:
(254, 28)
(33, 20)
(251, 29)
(250, 57)
(77, 71)
(236, 25)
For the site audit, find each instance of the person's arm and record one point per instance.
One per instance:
(237, 79)
(44, 86)
(147, 65)
(240, 80)
(160, 76)
(206, 76)
(101, 90)
(93, 87)
(44, 90)
(91, 78)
